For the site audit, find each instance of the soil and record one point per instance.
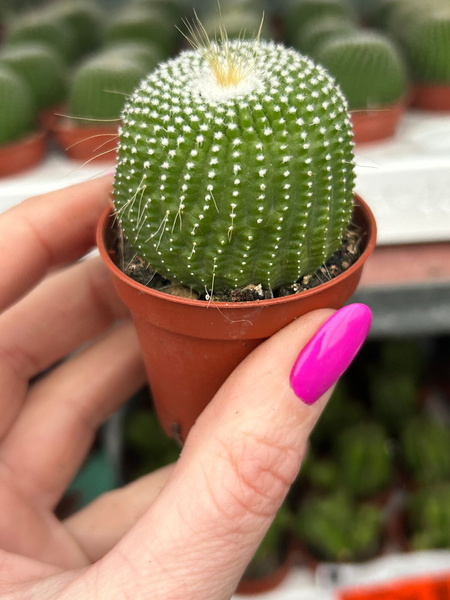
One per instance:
(347, 254)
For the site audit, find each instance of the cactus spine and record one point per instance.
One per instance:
(235, 167)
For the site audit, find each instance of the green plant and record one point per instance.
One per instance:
(394, 398)
(41, 26)
(320, 30)
(299, 13)
(368, 67)
(141, 52)
(320, 472)
(140, 23)
(336, 529)
(235, 166)
(100, 86)
(239, 22)
(428, 518)
(17, 110)
(364, 459)
(425, 445)
(427, 47)
(41, 68)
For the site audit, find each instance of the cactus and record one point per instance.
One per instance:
(84, 19)
(300, 13)
(427, 47)
(235, 166)
(41, 68)
(144, 54)
(139, 23)
(334, 528)
(100, 86)
(320, 30)
(428, 518)
(364, 460)
(425, 447)
(17, 110)
(239, 22)
(44, 28)
(368, 67)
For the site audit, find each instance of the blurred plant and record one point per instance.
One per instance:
(429, 518)
(320, 30)
(17, 109)
(299, 13)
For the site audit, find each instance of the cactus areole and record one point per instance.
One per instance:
(235, 167)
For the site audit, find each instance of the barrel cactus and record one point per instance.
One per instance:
(428, 517)
(368, 67)
(100, 86)
(300, 13)
(41, 68)
(235, 166)
(320, 30)
(17, 110)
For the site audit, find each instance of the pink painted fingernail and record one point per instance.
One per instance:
(330, 351)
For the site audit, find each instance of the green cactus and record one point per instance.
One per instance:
(238, 23)
(235, 167)
(364, 460)
(17, 110)
(85, 21)
(427, 47)
(425, 445)
(41, 68)
(144, 54)
(336, 529)
(100, 87)
(139, 23)
(300, 13)
(428, 518)
(368, 67)
(320, 30)
(41, 26)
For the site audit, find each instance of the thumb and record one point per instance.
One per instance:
(236, 468)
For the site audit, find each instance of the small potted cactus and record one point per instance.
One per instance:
(372, 74)
(334, 528)
(425, 445)
(364, 460)
(428, 518)
(44, 72)
(97, 93)
(22, 145)
(319, 30)
(234, 181)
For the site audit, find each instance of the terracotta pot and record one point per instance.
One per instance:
(191, 346)
(96, 143)
(49, 117)
(23, 154)
(431, 97)
(268, 582)
(376, 125)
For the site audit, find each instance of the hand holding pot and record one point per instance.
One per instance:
(186, 531)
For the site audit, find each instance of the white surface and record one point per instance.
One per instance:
(406, 180)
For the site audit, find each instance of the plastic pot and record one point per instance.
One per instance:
(96, 143)
(191, 346)
(23, 154)
(376, 125)
(431, 97)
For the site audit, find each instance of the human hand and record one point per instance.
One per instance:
(186, 531)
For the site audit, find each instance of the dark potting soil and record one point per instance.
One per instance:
(133, 266)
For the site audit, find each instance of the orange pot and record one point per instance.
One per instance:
(376, 125)
(431, 97)
(96, 143)
(23, 154)
(191, 346)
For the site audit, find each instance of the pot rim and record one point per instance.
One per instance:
(371, 242)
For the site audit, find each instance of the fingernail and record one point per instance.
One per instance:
(330, 351)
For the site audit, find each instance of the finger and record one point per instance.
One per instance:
(61, 314)
(236, 468)
(57, 425)
(47, 231)
(98, 527)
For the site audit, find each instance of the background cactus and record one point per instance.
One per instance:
(41, 68)
(364, 460)
(319, 30)
(299, 13)
(100, 87)
(368, 67)
(17, 110)
(334, 528)
(428, 512)
(235, 167)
